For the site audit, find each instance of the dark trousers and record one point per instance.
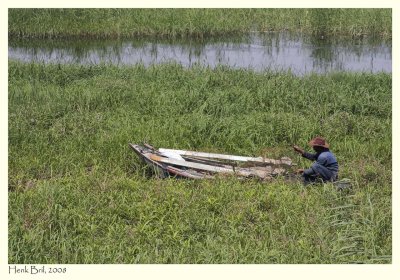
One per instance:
(321, 173)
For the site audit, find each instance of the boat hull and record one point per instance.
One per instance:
(206, 165)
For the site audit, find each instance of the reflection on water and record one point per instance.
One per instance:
(258, 51)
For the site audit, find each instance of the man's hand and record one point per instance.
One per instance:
(300, 171)
(298, 149)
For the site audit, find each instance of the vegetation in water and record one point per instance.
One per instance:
(78, 194)
(111, 23)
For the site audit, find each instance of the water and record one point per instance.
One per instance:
(257, 51)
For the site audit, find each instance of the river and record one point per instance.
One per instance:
(298, 53)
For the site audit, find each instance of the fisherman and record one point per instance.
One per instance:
(324, 168)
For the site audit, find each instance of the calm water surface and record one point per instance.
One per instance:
(258, 51)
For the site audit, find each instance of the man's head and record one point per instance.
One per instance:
(319, 144)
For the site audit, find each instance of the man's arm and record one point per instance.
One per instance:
(298, 149)
(310, 156)
(305, 154)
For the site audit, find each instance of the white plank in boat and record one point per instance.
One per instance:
(284, 161)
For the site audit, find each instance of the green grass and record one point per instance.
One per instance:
(78, 194)
(111, 23)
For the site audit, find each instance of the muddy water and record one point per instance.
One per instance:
(257, 51)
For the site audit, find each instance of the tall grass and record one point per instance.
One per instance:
(111, 23)
(77, 194)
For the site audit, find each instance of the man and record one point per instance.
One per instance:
(325, 166)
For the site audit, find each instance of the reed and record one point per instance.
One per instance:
(114, 23)
(77, 193)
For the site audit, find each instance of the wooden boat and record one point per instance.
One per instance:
(200, 165)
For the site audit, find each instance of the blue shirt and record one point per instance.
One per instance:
(325, 158)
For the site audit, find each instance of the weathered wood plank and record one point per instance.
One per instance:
(283, 161)
(189, 173)
(259, 172)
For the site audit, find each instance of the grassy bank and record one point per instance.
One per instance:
(111, 23)
(77, 194)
